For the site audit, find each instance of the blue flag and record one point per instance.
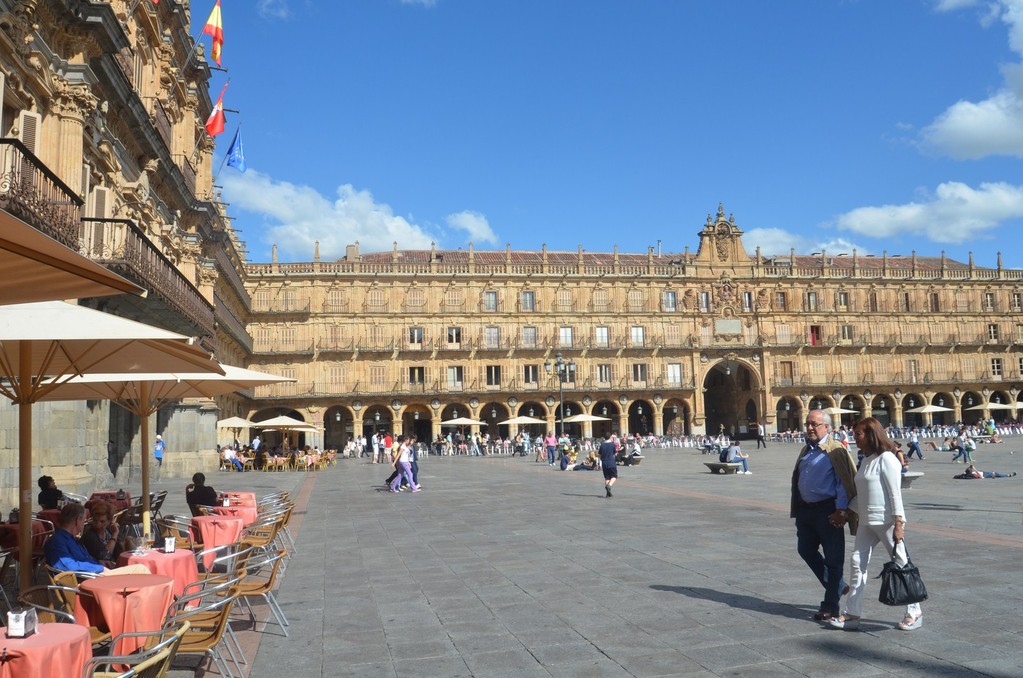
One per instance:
(235, 154)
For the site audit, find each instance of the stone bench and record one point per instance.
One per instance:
(723, 467)
(908, 477)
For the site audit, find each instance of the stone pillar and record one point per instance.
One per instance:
(71, 103)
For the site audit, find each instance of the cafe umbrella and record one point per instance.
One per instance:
(144, 394)
(44, 344)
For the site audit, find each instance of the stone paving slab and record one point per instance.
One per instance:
(504, 567)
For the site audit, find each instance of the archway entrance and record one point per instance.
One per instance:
(730, 399)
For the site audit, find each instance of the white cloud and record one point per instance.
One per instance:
(994, 126)
(273, 9)
(779, 242)
(955, 213)
(473, 223)
(295, 217)
(950, 5)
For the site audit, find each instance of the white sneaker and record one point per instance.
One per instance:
(749, 473)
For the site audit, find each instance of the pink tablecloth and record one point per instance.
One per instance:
(9, 534)
(179, 566)
(241, 498)
(54, 650)
(125, 602)
(217, 531)
(247, 513)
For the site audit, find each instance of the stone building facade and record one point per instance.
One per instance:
(103, 147)
(660, 343)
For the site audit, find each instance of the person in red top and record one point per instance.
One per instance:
(388, 442)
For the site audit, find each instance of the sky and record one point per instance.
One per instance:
(878, 125)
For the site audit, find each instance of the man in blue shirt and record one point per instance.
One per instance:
(158, 450)
(63, 550)
(822, 486)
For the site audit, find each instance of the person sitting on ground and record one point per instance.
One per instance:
(100, 539)
(198, 493)
(65, 553)
(973, 472)
(592, 462)
(946, 445)
(734, 455)
(49, 495)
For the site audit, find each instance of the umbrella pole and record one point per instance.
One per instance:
(144, 418)
(25, 468)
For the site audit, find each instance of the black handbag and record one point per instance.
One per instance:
(901, 585)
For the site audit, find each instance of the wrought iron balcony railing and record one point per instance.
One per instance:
(33, 193)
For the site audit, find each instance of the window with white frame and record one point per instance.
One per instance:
(604, 374)
(670, 301)
(529, 337)
(417, 375)
(415, 336)
(673, 373)
(811, 301)
(639, 373)
(490, 301)
(635, 300)
(530, 374)
(992, 331)
(636, 335)
(454, 337)
(704, 301)
(337, 375)
(784, 333)
(601, 337)
(493, 375)
(528, 301)
(747, 302)
(847, 332)
(492, 336)
(455, 376)
(673, 335)
(565, 337)
(996, 368)
(377, 375)
(375, 298)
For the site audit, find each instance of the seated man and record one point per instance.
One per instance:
(232, 456)
(65, 553)
(197, 494)
(733, 455)
(49, 495)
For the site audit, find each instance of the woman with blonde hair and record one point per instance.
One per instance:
(878, 502)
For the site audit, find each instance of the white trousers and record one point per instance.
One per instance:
(867, 537)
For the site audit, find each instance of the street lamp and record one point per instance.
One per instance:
(565, 372)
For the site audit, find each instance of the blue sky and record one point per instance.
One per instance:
(868, 124)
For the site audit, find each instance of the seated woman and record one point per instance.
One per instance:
(49, 495)
(100, 536)
(592, 463)
(973, 471)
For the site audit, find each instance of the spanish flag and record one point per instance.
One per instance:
(215, 29)
(215, 123)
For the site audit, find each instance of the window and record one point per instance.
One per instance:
(564, 299)
(969, 368)
(492, 337)
(601, 300)
(493, 375)
(780, 301)
(989, 301)
(705, 301)
(850, 370)
(528, 302)
(673, 335)
(1019, 334)
(747, 302)
(287, 339)
(636, 335)
(939, 366)
(635, 300)
(784, 333)
(375, 298)
(992, 332)
(377, 336)
(1021, 365)
(565, 337)
(880, 368)
(904, 302)
(674, 374)
(935, 305)
(490, 301)
(415, 298)
(335, 336)
(337, 375)
(530, 374)
(843, 301)
(785, 373)
(639, 373)
(817, 372)
(847, 333)
(601, 337)
(455, 377)
(811, 301)
(1017, 301)
(603, 374)
(417, 375)
(335, 302)
(528, 337)
(913, 370)
(454, 336)
(670, 302)
(816, 335)
(872, 302)
(415, 336)
(377, 375)
(996, 367)
(454, 296)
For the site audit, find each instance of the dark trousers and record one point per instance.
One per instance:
(761, 441)
(815, 534)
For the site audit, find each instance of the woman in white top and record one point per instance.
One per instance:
(878, 502)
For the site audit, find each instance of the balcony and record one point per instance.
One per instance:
(231, 325)
(31, 192)
(121, 246)
(327, 345)
(280, 306)
(281, 347)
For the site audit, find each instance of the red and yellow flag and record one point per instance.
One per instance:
(215, 29)
(215, 123)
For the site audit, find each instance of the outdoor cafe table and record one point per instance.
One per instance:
(179, 565)
(217, 531)
(247, 513)
(241, 498)
(9, 534)
(110, 498)
(53, 650)
(121, 603)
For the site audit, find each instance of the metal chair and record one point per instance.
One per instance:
(152, 661)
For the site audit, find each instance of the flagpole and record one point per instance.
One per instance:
(237, 131)
(195, 45)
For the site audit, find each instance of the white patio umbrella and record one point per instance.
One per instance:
(463, 421)
(236, 424)
(44, 344)
(992, 406)
(838, 410)
(929, 409)
(38, 268)
(578, 418)
(522, 419)
(282, 422)
(145, 393)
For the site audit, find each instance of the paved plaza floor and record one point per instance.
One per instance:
(505, 567)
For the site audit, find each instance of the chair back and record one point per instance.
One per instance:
(152, 661)
(50, 603)
(179, 529)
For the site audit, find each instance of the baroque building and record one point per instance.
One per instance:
(660, 343)
(103, 148)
